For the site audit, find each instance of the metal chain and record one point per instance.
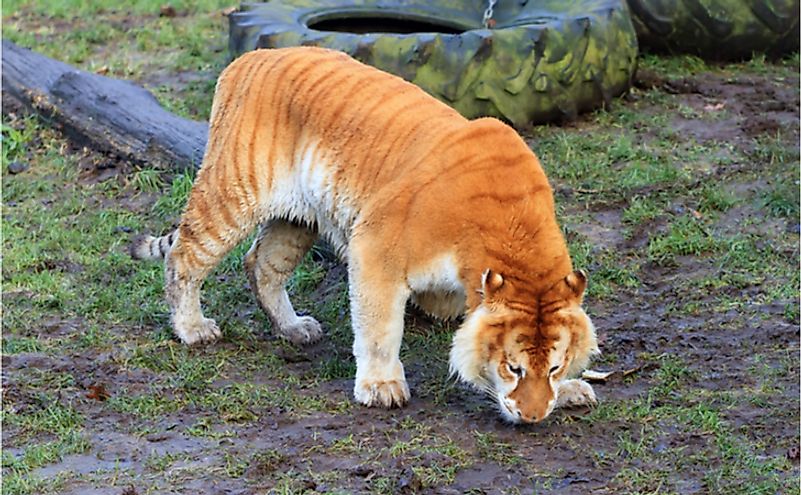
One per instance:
(488, 13)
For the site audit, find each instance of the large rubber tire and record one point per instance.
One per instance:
(717, 29)
(543, 60)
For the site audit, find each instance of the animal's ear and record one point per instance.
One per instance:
(577, 283)
(490, 282)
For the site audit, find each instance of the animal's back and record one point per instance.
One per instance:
(313, 134)
(315, 108)
(319, 138)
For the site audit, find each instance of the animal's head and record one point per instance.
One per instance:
(519, 351)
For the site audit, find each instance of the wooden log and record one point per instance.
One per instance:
(101, 112)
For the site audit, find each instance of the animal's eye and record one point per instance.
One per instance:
(517, 370)
(553, 370)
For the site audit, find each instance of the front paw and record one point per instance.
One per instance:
(574, 393)
(383, 393)
(305, 331)
(205, 330)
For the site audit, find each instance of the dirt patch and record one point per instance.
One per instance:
(603, 228)
(734, 109)
(714, 388)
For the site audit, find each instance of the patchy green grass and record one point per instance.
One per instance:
(679, 66)
(177, 58)
(688, 241)
(643, 209)
(58, 431)
(685, 236)
(726, 459)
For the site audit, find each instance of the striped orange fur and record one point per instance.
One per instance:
(457, 215)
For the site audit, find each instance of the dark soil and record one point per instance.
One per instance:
(574, 451)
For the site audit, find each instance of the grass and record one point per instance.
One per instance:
(491, 448)
(55, 420)
(215, 382)
(731, 465)
(685, 236)
(643, 209)
(131, 41)
(152, 405)
(781, 200)
(685, 240)
(47, 453)
(607, 274)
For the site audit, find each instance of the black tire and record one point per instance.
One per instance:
(717, 29)
(543, 60)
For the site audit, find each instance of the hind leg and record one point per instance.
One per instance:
(269, 263)
(210, 227)
(186, 267)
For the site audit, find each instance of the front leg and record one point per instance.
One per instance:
(574, 393)
(377, 304)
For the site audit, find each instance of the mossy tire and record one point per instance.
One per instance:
(717, 29)
(542, 61)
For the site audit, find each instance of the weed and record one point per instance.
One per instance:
(712, 197)
(15, 139)
(150, 406)
(490, 448)
(265, 462)
(782, 200)
(642, 209)
(171, 204)
(147, 180)
(685, 236)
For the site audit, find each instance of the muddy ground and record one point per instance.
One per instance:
(708, 336)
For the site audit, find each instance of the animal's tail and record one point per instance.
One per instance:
(147, 247)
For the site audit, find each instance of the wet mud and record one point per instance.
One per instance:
(440, 432)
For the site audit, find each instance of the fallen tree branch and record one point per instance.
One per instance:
(104, 113)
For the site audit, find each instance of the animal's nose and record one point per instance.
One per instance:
(536, 415)
(532, 418)
(529, 417)
(511, 406)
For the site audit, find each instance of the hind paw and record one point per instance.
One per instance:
(204, 331)
(573, 393)
(305, 331)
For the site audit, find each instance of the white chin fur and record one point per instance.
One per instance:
(506, 414)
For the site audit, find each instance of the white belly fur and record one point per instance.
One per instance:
(437, 290)
(304, 193)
